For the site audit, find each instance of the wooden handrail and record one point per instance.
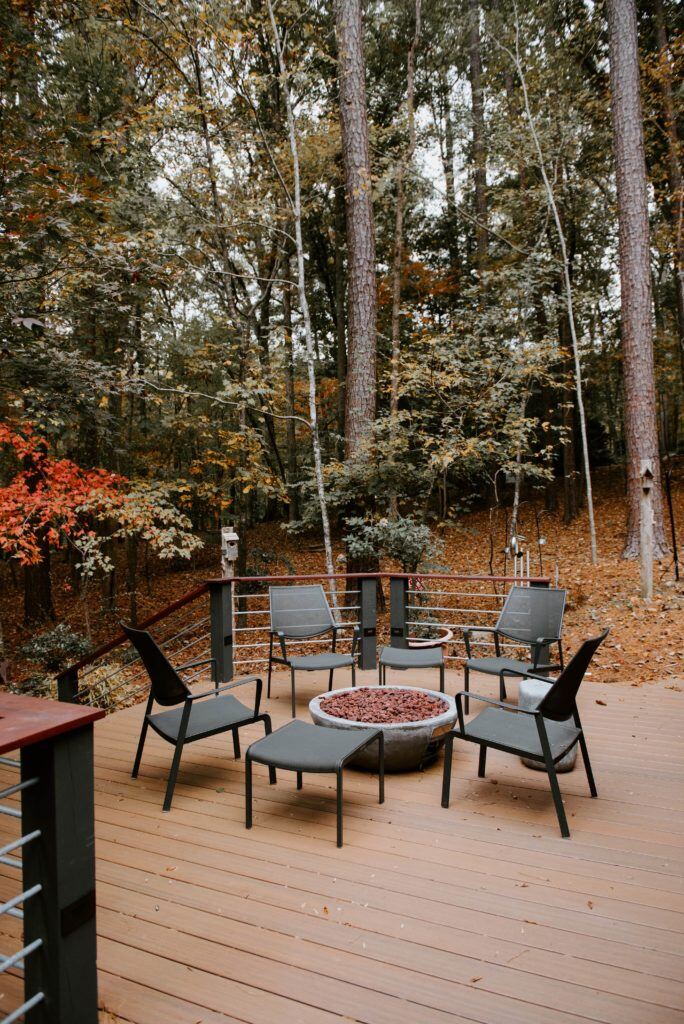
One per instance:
(383, 575)
(111, 645)
(26, 720)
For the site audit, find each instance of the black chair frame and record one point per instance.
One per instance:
(183, 695)
(554, 706)
(279, 635)
(538, 648)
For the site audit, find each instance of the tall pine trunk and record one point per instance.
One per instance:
(362, 297)
(641, 430)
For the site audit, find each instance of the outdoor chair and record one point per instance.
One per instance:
(301, 613)
(539, 734)
(193, 717)
(403, 658)
(531, 616)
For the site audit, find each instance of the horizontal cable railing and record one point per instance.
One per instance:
(229, 619)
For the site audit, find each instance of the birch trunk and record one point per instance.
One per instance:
(551, 199)
(296, 203)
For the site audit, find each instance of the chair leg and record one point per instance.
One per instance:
(353, 668)
(292, 683)
(557, 799)
(466, 687)
(441, 678)
(502, 687)
(248, 791)
(268, 729)
(299, 780)
(270, 668)
(482, 762)
(446, 779)
(339, 807)
(138, 754)
(236, 744)
(379, 673)
(330, 679)
(171, 784)
(587, 765)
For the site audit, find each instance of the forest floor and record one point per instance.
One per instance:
(645, 643)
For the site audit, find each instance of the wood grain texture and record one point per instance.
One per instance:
(477, 913)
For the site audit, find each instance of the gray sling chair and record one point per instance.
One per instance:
(531, 616)
(541, 734)
(301, 613)
(192, 718)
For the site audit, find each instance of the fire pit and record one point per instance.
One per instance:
(414, 721)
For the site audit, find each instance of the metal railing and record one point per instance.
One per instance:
(235, 628)
(47, 837)
(13, 907)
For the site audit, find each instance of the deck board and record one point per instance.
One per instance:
(476, 913)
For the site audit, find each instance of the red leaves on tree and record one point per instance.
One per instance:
(46, 498)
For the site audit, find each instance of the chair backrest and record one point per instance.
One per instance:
(167, 686)
(532, 612)
(559, 702)
(300, 611)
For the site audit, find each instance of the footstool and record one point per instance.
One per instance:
(301, 747)
(411, 657)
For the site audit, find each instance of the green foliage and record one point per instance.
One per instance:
(401, 539)
(56, 648)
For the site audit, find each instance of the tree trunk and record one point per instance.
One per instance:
(450, 179)
(290, 399)
(641, 431)
(361, 346)
(479, 151)
(132, 578)
(296, 203)
(674, 167)
(38, 604)
(340, 312)
(398, 253)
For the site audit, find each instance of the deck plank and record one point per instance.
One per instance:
(478, 913)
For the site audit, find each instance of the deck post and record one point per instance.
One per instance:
(221, 618)
(67, 685)
(398, 611)
(62, 862)
(368, 620)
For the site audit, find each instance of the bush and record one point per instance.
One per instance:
(57, 648)
(401, 539)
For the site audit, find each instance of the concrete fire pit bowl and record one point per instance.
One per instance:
(408, 744)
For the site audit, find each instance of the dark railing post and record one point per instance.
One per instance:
(67, 685)
(61, 805)
(544, 653)
(398, 611)
(221, 619)
(368, 621)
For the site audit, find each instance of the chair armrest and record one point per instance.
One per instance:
(536, 675)
(194, 664)
(487, 700)
(476, 629)
(281, 640)
(232, 686)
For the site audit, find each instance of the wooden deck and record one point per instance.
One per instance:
(477, 913)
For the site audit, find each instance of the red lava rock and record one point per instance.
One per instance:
(383, 707)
